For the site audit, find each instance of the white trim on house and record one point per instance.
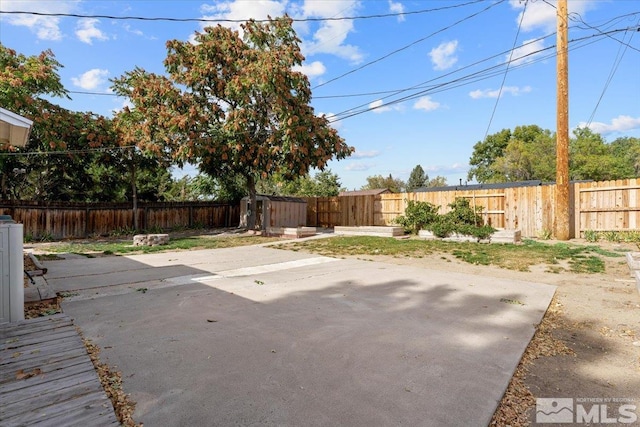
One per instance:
(14, 129)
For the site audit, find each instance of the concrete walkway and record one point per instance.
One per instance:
(254, 335)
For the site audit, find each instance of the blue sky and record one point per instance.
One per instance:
(421, 86)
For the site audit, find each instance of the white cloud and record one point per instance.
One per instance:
(444, 56)
(493, 93)
(359, 166)
(91, 79)
(365, 154)
(542, 14)
(618, 124)
(86, 31)
(45, 27)
(397, 8)
(242, 10)
(426, 103)
(314, 69)
(325, 37)
(526, 53)
(379, 107)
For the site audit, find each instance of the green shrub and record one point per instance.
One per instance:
(417, 216)
(461, 219)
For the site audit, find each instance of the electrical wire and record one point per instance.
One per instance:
(58, 152)
(405, 47)
(458, 82)
(614, 69)
(225, 20)
(506, 70)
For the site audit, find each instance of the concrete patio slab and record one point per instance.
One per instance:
(263, 336)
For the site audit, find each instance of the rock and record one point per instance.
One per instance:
(150, 239)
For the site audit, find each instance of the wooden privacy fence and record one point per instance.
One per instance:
(73, 220)
(598, 206)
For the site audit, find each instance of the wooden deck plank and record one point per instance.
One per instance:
(45, 383)
(38, 337)
(39, 403)
(17, 332)
(29, 323)
(42, 356)
(43, 368)
(9, 355)
(48, 363)
(65, 388)
(92, 409)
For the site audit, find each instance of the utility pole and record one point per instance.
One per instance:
(562, 215)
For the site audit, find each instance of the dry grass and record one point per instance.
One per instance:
(112, 383)
(518, 400)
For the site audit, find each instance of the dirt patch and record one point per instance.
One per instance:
(588, 344)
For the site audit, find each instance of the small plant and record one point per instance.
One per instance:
(123, 231)
(156, 229)
(591, 236)
(545, 234)
(417, 216)
(28, 238)
(611, 236)
(46, 237)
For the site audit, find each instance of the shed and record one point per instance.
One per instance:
(14, 129)
(275, 212)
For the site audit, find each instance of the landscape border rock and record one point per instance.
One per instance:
(499, 236)
(150, 239)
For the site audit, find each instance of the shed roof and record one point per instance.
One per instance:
(373, 192)
(275, 198)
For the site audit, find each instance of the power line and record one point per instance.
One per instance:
(226, 20)
(57, 152)
(477, 76)
(408, 45)
(506, 71)
(614, 68)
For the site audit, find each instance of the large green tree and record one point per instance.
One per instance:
(235, 104)
(60, 161)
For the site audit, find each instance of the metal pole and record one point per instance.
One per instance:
(562, 214)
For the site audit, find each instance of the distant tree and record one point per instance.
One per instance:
(627, 151)
(235, 105)
(322, 184)
(530, 154)
(374, 182)
(418, 178)
(484, 156)
(590, 157)
(438, 181)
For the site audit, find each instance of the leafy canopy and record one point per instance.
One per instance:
(234, 103)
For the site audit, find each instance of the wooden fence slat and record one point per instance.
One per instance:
(79, 220)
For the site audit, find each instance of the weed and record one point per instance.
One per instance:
(142, 290)
(68, 294)
(591, 236)
(545, 234)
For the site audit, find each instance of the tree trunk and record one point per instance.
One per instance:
(134, 195)
(252, 209)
